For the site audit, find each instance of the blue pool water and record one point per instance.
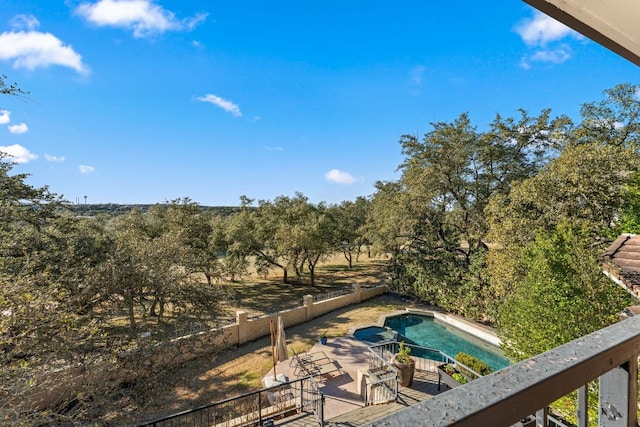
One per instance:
(374, 334)
(425, 331)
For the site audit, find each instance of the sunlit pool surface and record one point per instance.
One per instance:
(374, 334)
(426, 331)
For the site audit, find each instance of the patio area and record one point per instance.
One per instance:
(344, 358)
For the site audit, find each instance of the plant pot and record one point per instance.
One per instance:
(323, 340)
(446, 378)
(405, 371)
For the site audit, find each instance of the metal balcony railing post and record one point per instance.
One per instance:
(321, 410)
(582, 414)
(541, 417)
(618, 396)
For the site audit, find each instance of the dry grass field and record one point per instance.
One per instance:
(239, 370)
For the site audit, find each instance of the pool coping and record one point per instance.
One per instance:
(482, 332)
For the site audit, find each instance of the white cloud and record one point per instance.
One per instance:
(24, 22)
(18, 129)
(542, 29)
(222, 103)
(335, 175)
(85, 169)
(5, 117)
(270, 148)
(51, 158)
(33, 49)
(142, 16)
(554, 56)
(543, 33)
(18, 153)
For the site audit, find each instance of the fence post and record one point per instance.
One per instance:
(357, 289)
(308, 303)
(241, 320)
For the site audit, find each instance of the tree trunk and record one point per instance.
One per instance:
(349, 257)
(132, 316)
(154, 304)
(160, 309)
(312, 269)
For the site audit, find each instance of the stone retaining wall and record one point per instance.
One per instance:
(68, 382)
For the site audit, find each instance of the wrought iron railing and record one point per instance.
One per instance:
(382, 384)
(332, 294)
(254, 408)
(426, 359)
(314, 399)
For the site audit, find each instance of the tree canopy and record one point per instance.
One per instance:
(503, 225)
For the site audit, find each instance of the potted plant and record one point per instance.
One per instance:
(450, 376)
(405, 364)
(323, 338)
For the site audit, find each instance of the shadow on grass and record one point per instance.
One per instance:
(272, 296)
(232, 371)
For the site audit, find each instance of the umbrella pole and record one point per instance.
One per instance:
(273, 346)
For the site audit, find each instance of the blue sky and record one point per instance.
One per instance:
(142, 101)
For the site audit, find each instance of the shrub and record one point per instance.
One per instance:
(474, 363)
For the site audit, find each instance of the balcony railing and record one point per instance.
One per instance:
(252, 409)
(426, 359)
(512, 394)
(382, 386)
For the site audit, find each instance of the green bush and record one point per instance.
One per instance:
(474, 363)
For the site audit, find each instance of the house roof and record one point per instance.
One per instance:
(612, 23)
(623, 261)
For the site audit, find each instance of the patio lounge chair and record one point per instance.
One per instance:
(314, 364)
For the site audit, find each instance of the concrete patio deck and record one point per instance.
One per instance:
(339, 388)
(343, 405)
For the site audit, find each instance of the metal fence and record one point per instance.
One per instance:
(427, 359)
(254, 408)
(332, 294)
(254, 313)
(313, 399)
(382, 387)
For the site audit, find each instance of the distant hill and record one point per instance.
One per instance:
(117, 209)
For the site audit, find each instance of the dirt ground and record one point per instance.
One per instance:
(240, 369)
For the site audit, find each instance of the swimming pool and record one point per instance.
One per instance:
(428, 332)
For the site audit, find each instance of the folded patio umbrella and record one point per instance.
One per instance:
(281, 342)
(278, 344)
